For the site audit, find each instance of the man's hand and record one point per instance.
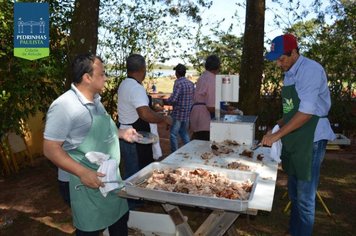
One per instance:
(54, 152)
(298, 120)
(269, 138)
(90, 178)
(130, 135)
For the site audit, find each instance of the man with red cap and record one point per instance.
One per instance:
(304, 128)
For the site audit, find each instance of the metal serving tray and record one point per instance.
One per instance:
(189, 199)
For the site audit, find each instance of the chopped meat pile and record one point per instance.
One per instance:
(218, 148)
(206, 155)
(184, 154)
(230, 142)
(260, 156)
(237, 165)
(198, 182)
(247, 153)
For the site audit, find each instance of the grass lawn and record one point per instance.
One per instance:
(164, 84)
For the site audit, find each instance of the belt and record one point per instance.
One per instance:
(199, 103)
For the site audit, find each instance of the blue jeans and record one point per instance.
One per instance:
(302, 195)
(181, 128)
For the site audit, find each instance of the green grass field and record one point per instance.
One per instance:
(164, 84)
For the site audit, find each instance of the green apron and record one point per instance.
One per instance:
(297, 148)
(91, 210)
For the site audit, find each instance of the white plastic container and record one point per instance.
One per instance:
(241, 130)
(152, 223)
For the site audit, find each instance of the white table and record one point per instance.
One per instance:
(220, 221)
(267, 169)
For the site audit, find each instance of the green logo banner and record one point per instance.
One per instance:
(31, 30)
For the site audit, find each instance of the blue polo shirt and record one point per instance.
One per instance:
(310, 82)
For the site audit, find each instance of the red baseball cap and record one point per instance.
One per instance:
(281, 45)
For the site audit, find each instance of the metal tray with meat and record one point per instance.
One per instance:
(194, 185)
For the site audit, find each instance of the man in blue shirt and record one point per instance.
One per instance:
(304, 128)
(182, 101)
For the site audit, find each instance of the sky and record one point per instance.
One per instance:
(221, 9)
(226, 8)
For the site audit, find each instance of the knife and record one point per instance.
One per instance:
(256, 147)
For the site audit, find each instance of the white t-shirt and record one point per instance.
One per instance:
(131, 95)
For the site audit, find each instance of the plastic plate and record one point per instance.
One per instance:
(147, 137)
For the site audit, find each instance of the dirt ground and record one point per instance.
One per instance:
(30, 203)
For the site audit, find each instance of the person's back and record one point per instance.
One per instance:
(204, 100)
(131, 95)
(182, 101)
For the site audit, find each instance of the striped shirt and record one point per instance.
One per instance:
(182, 99)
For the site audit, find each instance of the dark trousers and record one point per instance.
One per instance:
(64, 191)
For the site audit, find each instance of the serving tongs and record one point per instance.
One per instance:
(123, 183)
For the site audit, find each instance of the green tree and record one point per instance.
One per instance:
(227, 46)
(333, 46)
(147, 27)
(252, 57)
(30, 86)
(336, 51)
(83, 31)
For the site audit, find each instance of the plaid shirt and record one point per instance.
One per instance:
(182, 99)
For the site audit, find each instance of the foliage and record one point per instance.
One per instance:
(227, 46)
(152, 27)
(210, 38)
(30, 86)
(146, 27)
(331, 45)
(336, 52)
(334, 48)
(135, 26)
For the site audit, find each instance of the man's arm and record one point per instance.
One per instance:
(148, 115)
(54, 152)
(298, 120)
(174, 96)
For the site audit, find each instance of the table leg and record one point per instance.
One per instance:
(217, 223)
(178, 219)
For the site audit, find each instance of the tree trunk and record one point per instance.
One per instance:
(252, 57)
(84, 31)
